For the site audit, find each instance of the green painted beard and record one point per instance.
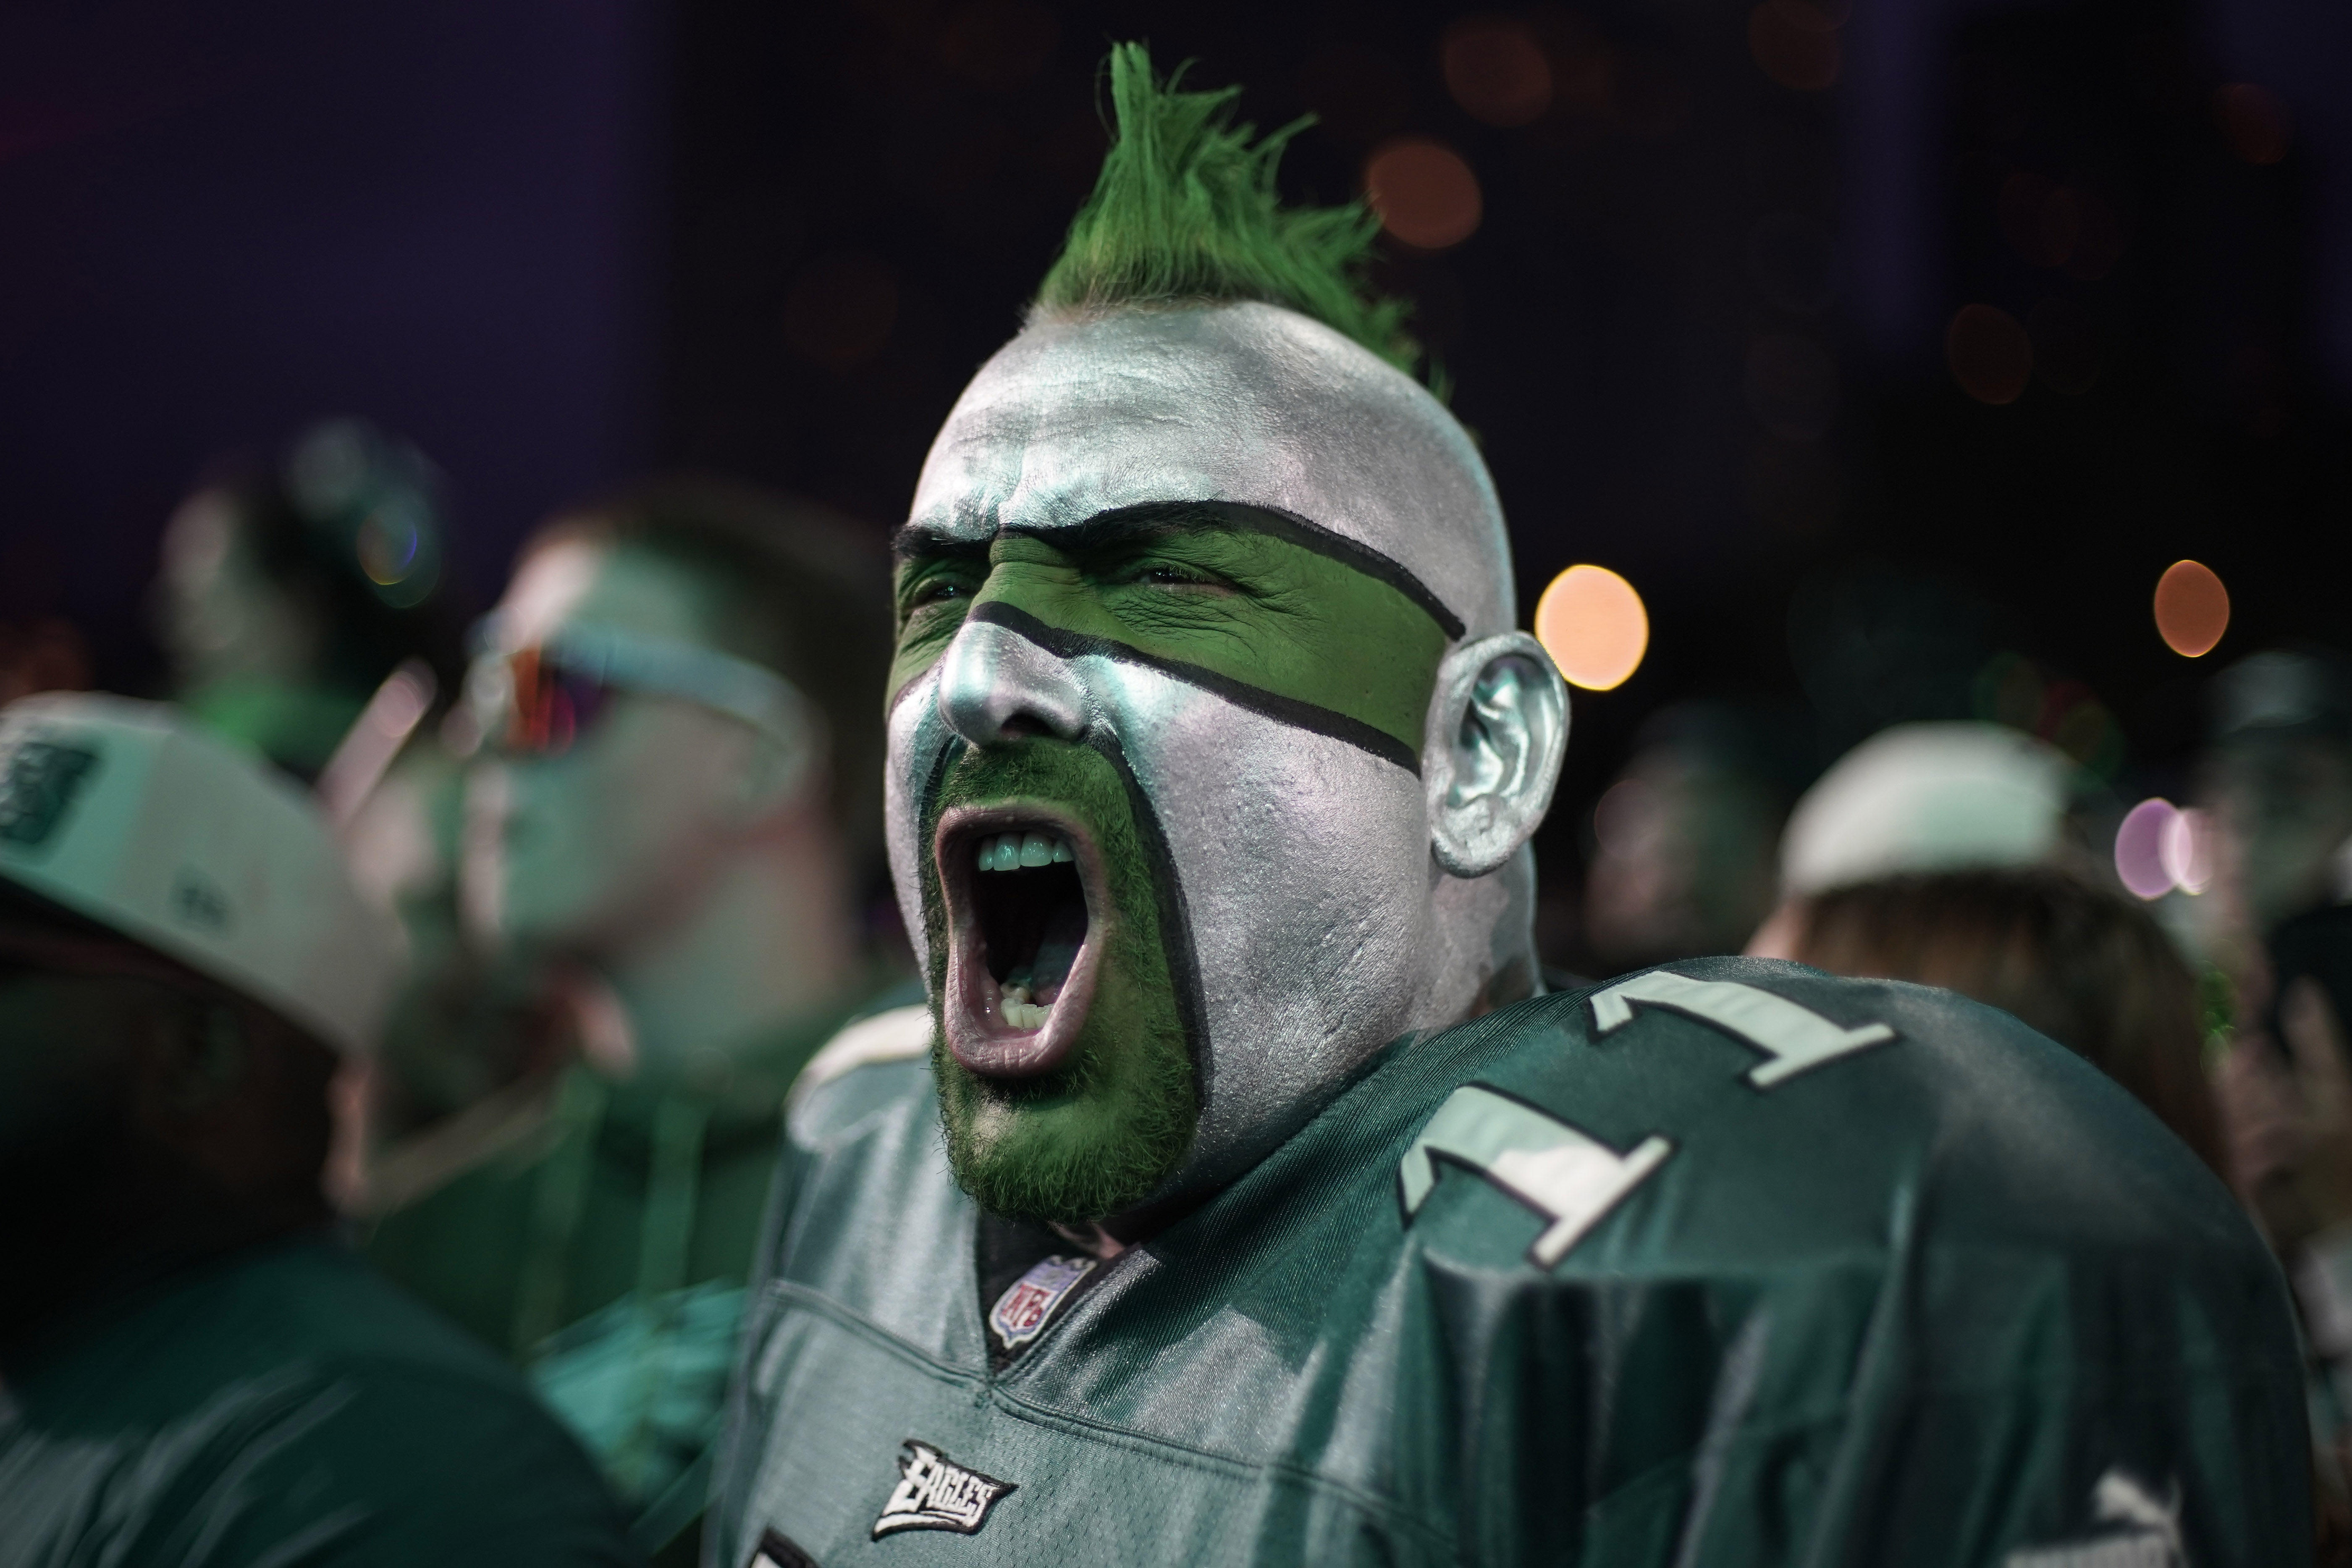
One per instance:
(1097, 1136)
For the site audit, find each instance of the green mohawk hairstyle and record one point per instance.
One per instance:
(1186, 211)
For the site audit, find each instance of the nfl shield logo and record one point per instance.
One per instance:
(1021, 1313)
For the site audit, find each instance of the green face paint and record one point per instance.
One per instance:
(1098, 1134)
(1273, 623)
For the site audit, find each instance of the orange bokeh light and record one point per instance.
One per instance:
(1796, 44)
(1424, 193)
(1496, 71)
(1594, 626)
(840, 309)
(2192, 608)
(2255, 121)
(1990, 355)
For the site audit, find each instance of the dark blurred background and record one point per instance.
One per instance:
(1890, 348)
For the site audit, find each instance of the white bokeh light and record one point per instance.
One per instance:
(2140, 845)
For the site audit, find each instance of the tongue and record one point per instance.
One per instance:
(1057, 952)
(1057, 949)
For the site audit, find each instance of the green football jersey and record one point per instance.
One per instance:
(1726, 1263)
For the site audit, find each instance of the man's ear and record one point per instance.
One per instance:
(1498, 730)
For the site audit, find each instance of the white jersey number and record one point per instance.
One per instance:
(1570, 1177)
(1796, 1039)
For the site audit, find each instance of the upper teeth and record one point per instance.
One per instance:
(1010, 851)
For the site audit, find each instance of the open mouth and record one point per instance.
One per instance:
(1025, 894)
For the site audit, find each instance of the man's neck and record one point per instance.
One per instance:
(771, 943)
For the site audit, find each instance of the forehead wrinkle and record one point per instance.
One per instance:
(1050, 437)
(1131, 458)
(1120, 524)
(1113, 524)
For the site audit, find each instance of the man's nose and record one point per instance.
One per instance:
(996, 687)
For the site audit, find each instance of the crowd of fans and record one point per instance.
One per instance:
(555, 961)
(468, 1095)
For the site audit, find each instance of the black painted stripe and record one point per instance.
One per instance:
(1256, 699)
(1175, 913)
(1245, 517)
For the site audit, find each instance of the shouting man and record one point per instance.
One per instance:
(1239, 1198)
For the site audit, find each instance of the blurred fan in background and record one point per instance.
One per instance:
(1950, 796)
(290, 592)
(1685, 840)
(2276, 787)
(2276, 783)
(2085, 965)
(637, 904)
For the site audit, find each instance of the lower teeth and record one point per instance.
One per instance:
(1019, 1011)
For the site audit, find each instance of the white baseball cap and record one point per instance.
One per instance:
(1927, 797)
(121, 811)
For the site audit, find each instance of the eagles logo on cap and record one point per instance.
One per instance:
(36, 787)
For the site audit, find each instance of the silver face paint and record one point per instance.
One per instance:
(1321, 926)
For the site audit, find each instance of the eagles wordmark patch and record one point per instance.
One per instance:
(936, 1493)
(1021, 1313)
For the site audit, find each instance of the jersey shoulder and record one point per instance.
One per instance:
(1799, 1212)
(1772, 1109)
(876, 1062)
(1757, 1041)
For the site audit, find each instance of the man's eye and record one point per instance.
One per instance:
(936, 591)
(1159, 575)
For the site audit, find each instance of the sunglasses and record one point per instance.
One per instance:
(541, 699)
(549, 705)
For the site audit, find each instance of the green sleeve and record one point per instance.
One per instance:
(400, 1467)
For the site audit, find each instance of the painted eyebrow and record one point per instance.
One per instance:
(1149, 518)
(922, 541)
